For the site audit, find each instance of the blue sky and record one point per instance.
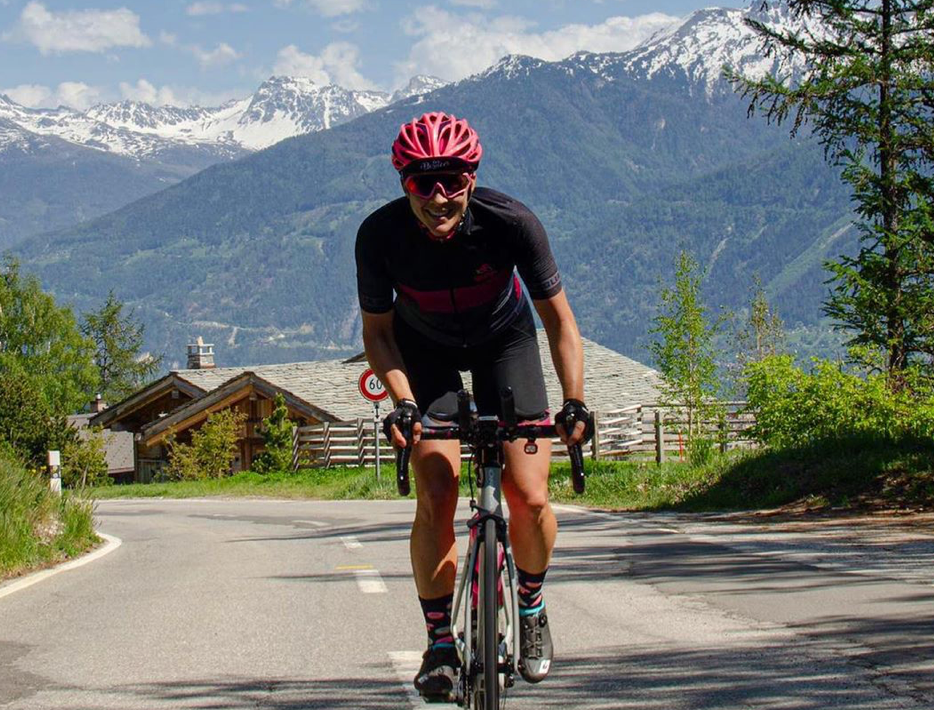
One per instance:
(81, 52)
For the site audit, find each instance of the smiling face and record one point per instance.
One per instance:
(440, 214)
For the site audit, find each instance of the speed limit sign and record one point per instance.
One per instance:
(371, 388)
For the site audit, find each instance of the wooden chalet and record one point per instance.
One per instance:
(315, 392)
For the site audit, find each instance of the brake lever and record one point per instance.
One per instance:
(405, 425)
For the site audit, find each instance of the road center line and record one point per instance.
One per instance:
(368, 579)
(351, 542)
(406, 665)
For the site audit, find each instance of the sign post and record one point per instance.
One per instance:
(55, 472)
(373, 391)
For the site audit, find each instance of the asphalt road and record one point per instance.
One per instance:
(299, 604)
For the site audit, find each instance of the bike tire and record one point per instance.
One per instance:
(490, 606)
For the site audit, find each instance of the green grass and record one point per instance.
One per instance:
(843, 474)
(37, 527)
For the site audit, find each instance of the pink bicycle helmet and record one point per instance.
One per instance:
(436, 141)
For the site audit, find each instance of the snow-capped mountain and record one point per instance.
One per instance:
(280, 108)
(694, 50)
(417, 86)
(707, 40)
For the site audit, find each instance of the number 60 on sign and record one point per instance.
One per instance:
(371, 388)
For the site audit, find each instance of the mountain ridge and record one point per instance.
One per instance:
(622, 167)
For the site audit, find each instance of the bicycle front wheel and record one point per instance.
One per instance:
(489, 605)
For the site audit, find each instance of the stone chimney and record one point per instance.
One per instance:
(98, 405)
(200, 355)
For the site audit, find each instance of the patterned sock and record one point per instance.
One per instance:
(530, 592)
(438, 620)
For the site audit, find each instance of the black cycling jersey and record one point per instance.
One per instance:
(464, 290)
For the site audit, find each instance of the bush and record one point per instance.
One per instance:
(798, 408)
(84, 461)
(277, 441)
(212, 450)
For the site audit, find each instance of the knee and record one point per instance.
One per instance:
(529, 504)
(437, 500)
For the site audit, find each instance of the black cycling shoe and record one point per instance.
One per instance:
(537, 650)
(436, 679)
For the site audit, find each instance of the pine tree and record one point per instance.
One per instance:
(868, 93)
(118, 341)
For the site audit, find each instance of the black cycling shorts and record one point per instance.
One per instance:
(510, 359)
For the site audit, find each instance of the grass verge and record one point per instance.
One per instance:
(857, 475)
(37, 527)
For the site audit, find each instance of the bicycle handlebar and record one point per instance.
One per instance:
(468, 429)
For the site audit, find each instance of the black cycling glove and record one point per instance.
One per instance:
(404, 417)
(572, 412)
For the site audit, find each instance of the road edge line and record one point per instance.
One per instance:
(22, 583)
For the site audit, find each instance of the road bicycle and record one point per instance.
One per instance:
(487, 642)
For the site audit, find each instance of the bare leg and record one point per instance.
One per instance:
(432, 545)
(532, 523)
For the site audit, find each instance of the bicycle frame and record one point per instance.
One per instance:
(489, 507)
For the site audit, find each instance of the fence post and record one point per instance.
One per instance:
(723, 433)
(295, 440)
(326, 445)
(595, 442)
(361, 444)
(659, 437)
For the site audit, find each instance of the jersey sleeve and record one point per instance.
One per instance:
(534, 260)
(374, 285)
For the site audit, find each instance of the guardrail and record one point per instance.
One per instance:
(640, 431)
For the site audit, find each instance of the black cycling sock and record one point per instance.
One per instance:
(438, 620)
(530, 591)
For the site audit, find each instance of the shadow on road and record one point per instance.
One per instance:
(255, 693)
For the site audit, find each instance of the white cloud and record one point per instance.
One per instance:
(168, 38)
(78, 30)
(336, 64)
(221, 55)
(75, 94)
(146, 92)
(329, 8)
(31, 95)
(78, 95)
(453, 46)
(484, 4)
(197, 9)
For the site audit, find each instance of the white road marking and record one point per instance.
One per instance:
(316, 523)
(406, 665)
(351, 542)
(112, 544)
(370, 581)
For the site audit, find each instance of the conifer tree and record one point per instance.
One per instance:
(867, 92)
(118, 342)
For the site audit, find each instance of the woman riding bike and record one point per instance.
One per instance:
(440, 294)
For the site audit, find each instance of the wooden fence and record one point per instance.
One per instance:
(640, 431)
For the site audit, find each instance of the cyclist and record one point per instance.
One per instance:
(450, 250)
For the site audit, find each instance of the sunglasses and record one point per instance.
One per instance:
(425, 185)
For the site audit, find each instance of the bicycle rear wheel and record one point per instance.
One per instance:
(489, 695)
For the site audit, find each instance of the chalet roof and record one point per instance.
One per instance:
(118, 445)
(141, 397)
(215, 399)
(612, 381)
